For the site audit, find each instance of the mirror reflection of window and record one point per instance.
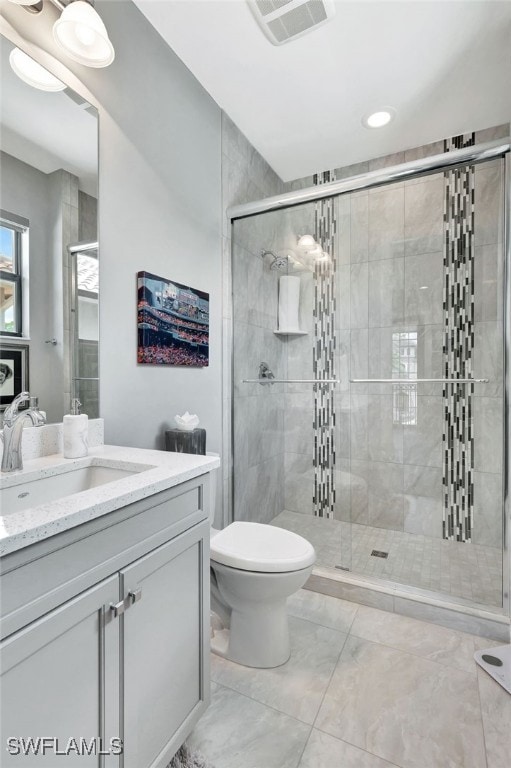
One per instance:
(85, 326)
(404, 366)
(10, 279)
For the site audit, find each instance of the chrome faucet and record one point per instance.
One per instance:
(14, 421)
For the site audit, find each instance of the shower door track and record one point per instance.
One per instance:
(403, 172)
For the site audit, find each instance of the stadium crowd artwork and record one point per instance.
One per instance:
(173, 323)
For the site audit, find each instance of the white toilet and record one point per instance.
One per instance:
(254, 569)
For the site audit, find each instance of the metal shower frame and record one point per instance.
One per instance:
(476, 154)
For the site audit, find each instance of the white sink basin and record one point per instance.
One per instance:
(31, 493)
(52, 494)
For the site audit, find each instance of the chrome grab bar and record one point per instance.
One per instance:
(419, 381)
(291, 381)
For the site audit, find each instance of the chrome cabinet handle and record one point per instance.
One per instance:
(118, 608)
(135, 595)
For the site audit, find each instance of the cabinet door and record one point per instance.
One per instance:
(166, 648)
(56, 684)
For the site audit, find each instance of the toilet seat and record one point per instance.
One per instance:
(262, 548)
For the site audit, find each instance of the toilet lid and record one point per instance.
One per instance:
(264, 548)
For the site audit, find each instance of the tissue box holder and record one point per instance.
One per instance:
(181, 441)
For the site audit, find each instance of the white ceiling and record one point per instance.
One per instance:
(444, 65)
(48, 131)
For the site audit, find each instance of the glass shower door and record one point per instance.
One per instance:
(421, 300)
(395, 471)
(289, 449)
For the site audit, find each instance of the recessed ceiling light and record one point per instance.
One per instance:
(379, 118)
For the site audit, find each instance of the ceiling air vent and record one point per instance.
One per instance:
(285, 20)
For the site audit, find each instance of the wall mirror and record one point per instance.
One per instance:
(49, 287)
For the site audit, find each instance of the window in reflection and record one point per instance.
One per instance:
(11, 241)
(404, 366)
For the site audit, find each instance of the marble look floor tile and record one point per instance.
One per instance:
(482, 643)
(297, 687)
(236, 732)
(496, 711)
(403, 708)
(322, 609)
(445, 646)
(324, 751)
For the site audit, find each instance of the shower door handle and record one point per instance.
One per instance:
(290, 381)
(419, 381)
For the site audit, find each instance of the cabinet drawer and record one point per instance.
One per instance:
(82, 556)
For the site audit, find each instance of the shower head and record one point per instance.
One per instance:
(280, 263)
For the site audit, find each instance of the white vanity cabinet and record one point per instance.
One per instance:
(163, 637)
(125, 654)
(54, 680)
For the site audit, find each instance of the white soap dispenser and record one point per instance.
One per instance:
(75, 432)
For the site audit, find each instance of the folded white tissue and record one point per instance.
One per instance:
(187, 421)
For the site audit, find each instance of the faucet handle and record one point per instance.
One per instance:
(12, 410)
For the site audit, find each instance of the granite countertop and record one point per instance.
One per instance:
(161, 470)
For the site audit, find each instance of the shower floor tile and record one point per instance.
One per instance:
(470, 571)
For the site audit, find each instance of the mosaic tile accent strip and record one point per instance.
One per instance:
(458, 307)
(323, 354)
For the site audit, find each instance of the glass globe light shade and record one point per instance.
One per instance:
(33, 73)
(81, 33)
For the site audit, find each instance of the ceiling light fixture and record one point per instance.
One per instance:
(83, 36)
(380, 118)
(79, 31)
(33, 73)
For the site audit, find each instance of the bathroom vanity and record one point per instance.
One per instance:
(105, 606)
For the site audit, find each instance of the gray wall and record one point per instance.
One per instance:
(159, 210)
(88, 223)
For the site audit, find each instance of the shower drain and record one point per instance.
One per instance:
(379, 553)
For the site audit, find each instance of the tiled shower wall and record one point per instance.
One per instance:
(390, 245)
(259, 461)
(389, 469)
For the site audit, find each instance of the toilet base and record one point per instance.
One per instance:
(260, 641)
(257, 631)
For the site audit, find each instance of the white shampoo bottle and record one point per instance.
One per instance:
(75, 432)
